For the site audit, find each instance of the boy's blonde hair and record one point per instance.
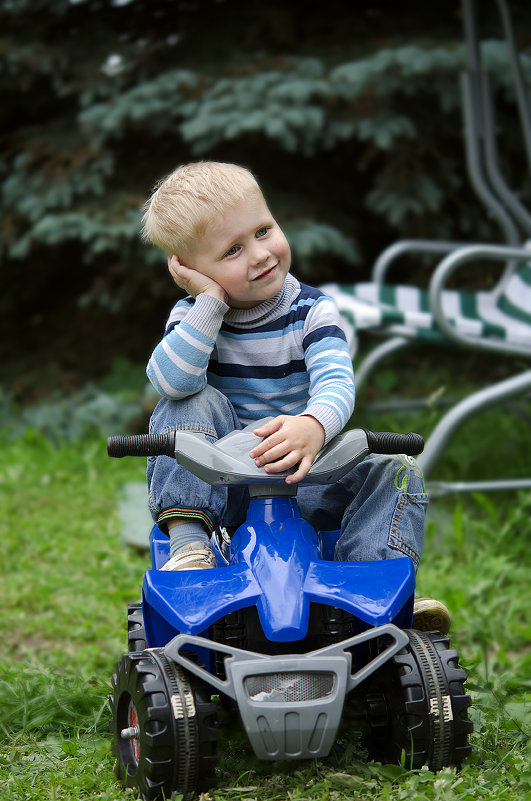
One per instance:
(184, 202)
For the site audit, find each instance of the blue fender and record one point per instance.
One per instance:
(275, 563)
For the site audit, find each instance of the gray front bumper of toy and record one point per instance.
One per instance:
(290, 705)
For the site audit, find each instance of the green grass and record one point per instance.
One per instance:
(66, 580)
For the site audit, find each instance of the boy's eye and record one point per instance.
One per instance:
(262, 231)
(232, 251)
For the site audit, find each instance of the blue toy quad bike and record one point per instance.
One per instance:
(279, 630)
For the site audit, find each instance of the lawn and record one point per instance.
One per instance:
(66, 581)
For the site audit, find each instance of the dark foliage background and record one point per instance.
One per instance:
(349, 114)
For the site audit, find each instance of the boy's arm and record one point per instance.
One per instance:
(297, 440)
(329, 366)
(177, 368)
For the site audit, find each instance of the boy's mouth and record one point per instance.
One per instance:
(266, 274)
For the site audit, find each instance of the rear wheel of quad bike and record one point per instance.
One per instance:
(136, 633)
(163, 726)
(417, 709)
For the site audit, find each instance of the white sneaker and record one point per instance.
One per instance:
(195, 556)
(431, 615)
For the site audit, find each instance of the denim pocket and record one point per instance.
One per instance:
(406, 533)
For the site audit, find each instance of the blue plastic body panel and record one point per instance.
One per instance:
(275, 562)
(159, 546)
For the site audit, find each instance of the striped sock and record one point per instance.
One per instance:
(185, 534)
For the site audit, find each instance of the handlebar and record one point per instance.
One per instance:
(227, 460)
(142, 445)
(164, 444)
(386, 442)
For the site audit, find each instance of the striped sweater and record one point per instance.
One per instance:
(288, 355)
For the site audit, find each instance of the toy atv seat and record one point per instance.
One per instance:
(279, 630)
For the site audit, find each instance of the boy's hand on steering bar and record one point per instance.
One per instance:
(289, 441)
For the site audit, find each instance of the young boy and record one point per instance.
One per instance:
(250, 341)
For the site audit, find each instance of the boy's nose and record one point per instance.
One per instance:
(258, 254)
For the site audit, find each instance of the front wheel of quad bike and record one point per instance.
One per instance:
(417, 709)
(164, 728)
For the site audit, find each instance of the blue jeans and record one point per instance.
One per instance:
(379, 506)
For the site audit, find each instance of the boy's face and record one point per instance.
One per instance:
(245, 252)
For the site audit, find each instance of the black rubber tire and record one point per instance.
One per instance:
(174, 748)
(417, 708)
(136, 633)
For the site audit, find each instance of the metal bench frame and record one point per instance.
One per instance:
(504, 206)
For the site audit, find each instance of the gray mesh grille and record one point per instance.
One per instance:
(290, 687)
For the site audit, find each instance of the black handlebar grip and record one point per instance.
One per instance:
(387, 442)
(142, 445)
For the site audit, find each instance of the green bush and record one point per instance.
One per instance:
(350, 119)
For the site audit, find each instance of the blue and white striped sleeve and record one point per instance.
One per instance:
(178, 365)
(329, 366)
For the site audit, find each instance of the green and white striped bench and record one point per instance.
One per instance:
(497, 322)
(405, 311)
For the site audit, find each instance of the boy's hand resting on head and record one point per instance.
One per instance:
(193, 281)
(288, 441)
